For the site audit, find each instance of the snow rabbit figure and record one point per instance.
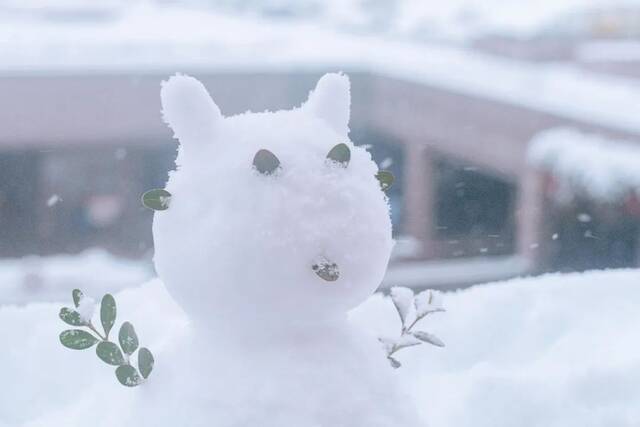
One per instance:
(276, 227)
(291, 238)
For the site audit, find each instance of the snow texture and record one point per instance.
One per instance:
(590, 164)
(51, 278)
(561, 350)
(86, 308)
(557, 350)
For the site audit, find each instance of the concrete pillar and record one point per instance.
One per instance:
(530, 228)
(419, 191)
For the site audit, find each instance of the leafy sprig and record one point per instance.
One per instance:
(108, 351)
(411, 308)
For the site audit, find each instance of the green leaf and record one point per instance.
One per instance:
(156, 199)
(77, 296)
(77, 339)
(110, 353)
(340, 154)
(145, 362)
(128, 338)
(108, 313)
(266, 162)
(386, 179)
(71, 317)
(128, 376)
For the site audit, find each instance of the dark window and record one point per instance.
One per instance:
(474, 211)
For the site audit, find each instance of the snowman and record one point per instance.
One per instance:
(276, 227)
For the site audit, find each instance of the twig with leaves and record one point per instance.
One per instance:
(108, 351)
(411, 309)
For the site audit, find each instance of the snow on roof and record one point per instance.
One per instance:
(609, 51)
(169, 38)
(602, 168)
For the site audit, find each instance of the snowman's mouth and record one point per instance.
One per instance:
(326, 269)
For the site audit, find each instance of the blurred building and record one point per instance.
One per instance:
(478, 139)
(77, 152)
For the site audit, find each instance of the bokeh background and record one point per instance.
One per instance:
(512, 127)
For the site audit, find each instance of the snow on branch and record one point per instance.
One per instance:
(411, 308)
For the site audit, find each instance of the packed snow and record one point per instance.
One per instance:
(561, 350)
(590, 164)
(558, 350)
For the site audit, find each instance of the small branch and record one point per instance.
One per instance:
(90, 326)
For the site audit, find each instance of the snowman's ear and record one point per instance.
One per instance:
(331, 101)
(189, 110)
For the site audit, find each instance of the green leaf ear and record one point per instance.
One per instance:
(156, 199)
(340, 154)
(386, 179)
(265, 162)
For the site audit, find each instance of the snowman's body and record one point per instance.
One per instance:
(269, 343)
(310, 379)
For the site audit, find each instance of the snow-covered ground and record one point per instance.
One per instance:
(557, 350)
(46, 279)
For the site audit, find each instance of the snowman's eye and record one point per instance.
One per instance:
(266, 162)
(340, 154)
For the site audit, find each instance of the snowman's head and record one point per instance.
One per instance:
(287, 235)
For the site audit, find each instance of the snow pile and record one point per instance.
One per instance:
(553, 351)
(601, 168)
(51, 278)
(45, 378)
(557, 350)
